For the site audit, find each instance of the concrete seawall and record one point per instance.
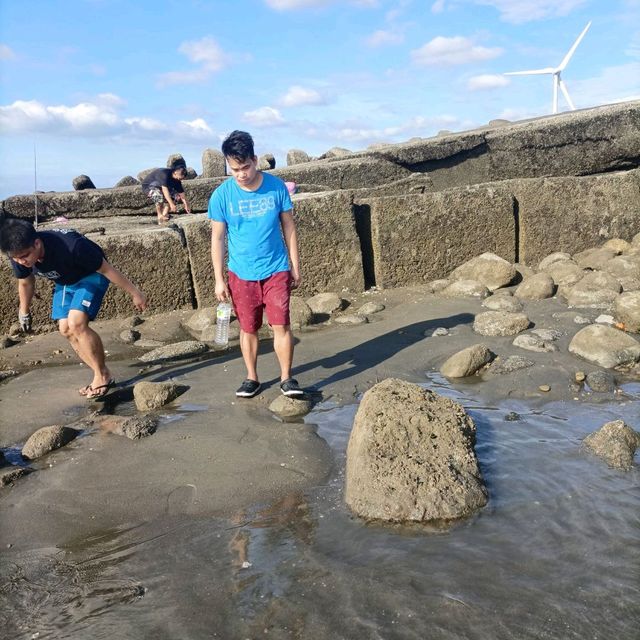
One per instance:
(400, 215)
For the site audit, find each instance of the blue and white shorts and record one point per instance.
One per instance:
(85, 295)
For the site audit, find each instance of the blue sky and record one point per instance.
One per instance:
(108, 88)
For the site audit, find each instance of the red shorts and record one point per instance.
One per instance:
(252, 297)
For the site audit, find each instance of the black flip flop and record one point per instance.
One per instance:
(107, 387)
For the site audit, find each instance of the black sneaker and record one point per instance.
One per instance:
(289, 387)
(248, 389)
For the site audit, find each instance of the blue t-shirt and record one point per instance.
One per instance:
(68, 257)
(256, 247)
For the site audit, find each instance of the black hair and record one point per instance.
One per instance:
(238, 145)
(178, 163)
(16, 235)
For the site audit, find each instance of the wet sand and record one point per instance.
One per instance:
(214, 454)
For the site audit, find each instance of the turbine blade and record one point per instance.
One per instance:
(565, 93)
(566, 59)
(530, 73)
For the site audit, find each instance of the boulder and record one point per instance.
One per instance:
(82, 182)
(175, 351)
(626, 311)
(537, 287)
(411, 457)
(335, 152)
(213, 164)
(369, 308)
(625, 266)
(618, 245)
(615, 442)
(153, 395)
(558, 256)
(489, 269)
(266, 162)
(594, 258)
(351, 318)
(502, 303)
(467, 362)
(127, 181)
(297, 156)
(324, 304)
(597, 290)
(605, 346)
(635, 241)
(47, 439)
(497, 323)
(204, 318)
(465, 289)
(565, 272)
(129, 336)
(300, 313)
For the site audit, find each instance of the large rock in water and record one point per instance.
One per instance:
(47, 439)
(410, 457)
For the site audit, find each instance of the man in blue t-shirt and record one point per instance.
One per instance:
(253, 209)
(81, 275)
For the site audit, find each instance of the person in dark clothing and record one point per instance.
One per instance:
(164, 188)
(81, 275)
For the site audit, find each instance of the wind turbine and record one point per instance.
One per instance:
(556, 71)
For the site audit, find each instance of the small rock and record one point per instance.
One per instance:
(129, 336)
(290, 408)
(615, 442)
(538, 287)
(550, 335)
(47, 439)
(582, 320)
(532, 342)
(175, 351)
(153, 395)
(435, 286)
(580, 376)
(9, 476)
(604, 319)
(440, 331)
(502, 302)
(132, 427)
(544, 388)
(512, 416)
(467, 362)
(511, 364)
(369, 308)
(7, 373)
(465, 289)
(351, 319)
(601, 381)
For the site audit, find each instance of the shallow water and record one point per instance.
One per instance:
(555, 554)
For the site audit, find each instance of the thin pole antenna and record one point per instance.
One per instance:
(35, 184)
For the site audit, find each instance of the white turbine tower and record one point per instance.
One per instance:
(556, 71)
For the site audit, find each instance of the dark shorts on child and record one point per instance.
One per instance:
(252, 297)
(85, 295)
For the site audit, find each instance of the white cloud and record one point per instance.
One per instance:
(6, 52)
(100, 118)
(486, 81)
(206, 53)
(381, 37)
(263, 117)
(520, 11)
(452, 51)
(437, 6)
(298, 96)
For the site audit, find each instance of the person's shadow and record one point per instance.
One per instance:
(372, 352)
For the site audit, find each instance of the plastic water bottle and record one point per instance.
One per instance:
(223, 316)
